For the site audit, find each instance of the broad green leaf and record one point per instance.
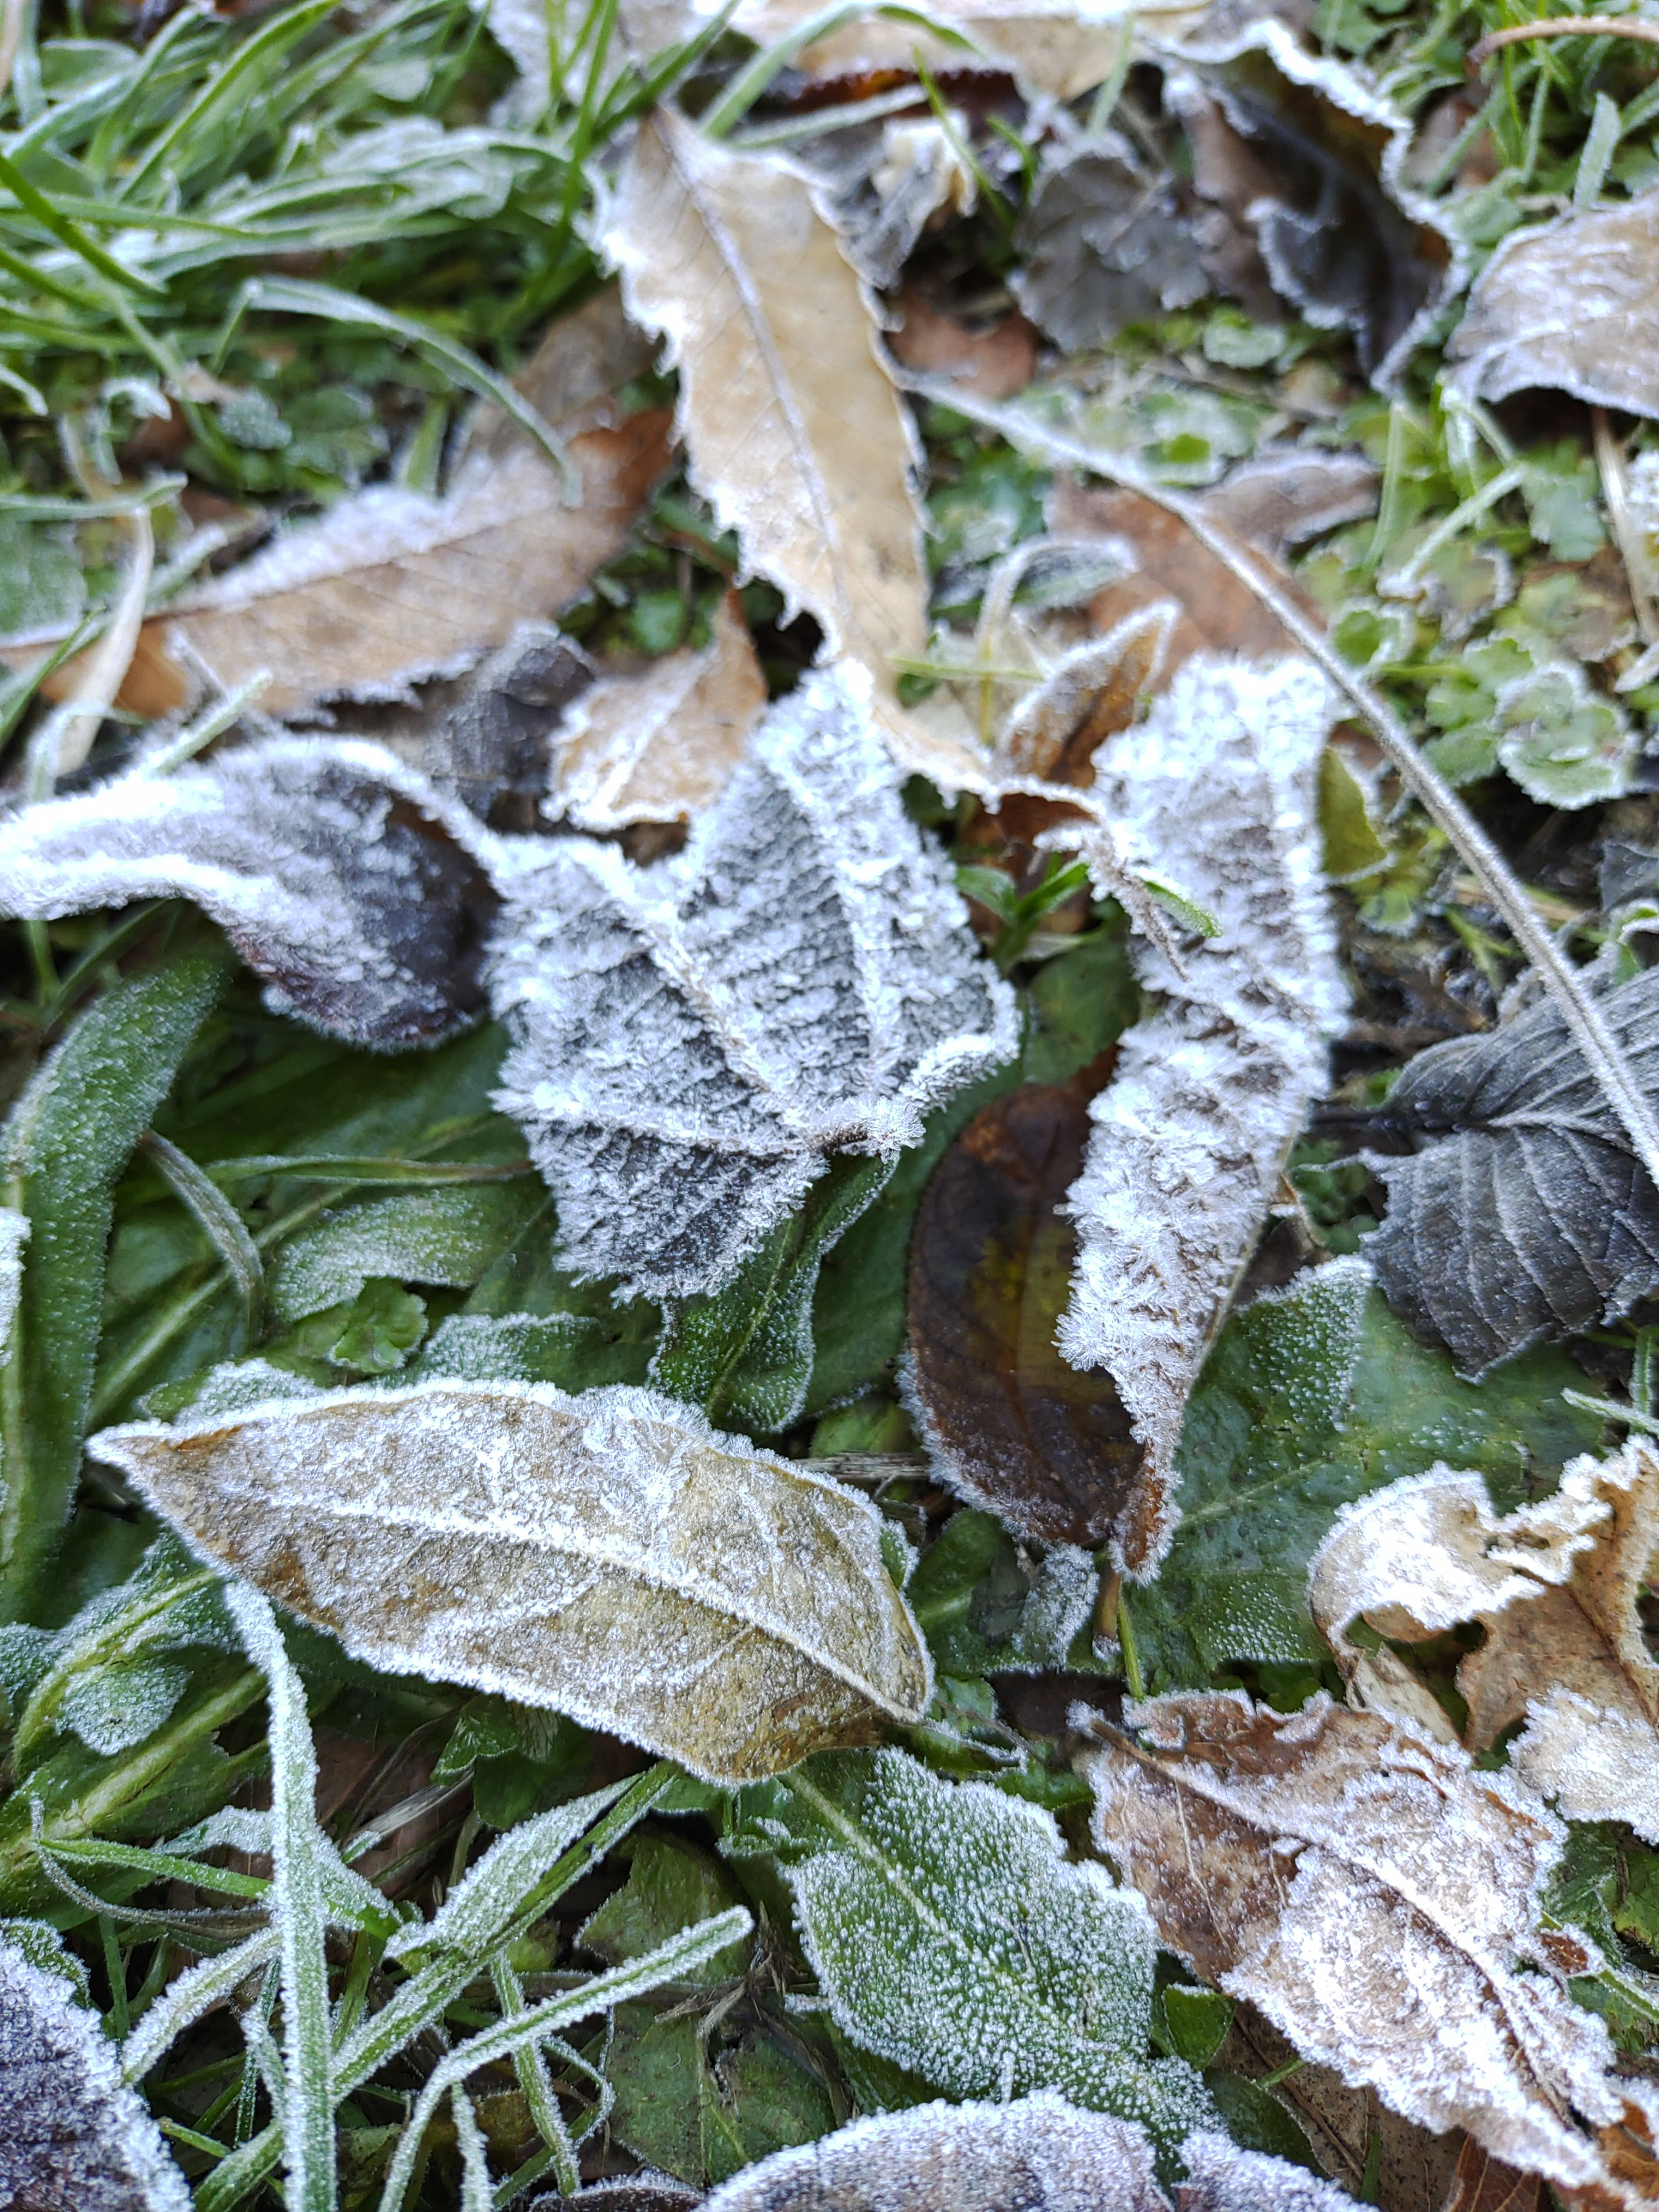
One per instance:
(69, 1138)
(745, 1353)
(447, 1237)
(702, 2116)
(950, 1936)
(522, 1760)
(670, 1884)
(574, 1351)
(1309, 1400)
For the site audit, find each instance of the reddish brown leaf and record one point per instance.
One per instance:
(1010, 1424)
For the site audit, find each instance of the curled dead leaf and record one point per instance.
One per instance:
(1377, 1900)
(1555, 1587)
(610, 1556)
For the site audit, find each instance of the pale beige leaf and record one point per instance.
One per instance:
(1377, 1900)
(792, 428)
(1555, 1587)
(1573, 305)
(390, 587)
(661, 745)
(610, 1556)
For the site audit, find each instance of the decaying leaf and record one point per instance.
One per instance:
(1190, 1137)
(660, 746)
(1103, 243)
(886, 183)
(72, 2134)
(1007, 1422)
(694, 1039)
(791, 425)
(1303, 154)
(1037, 2154)
(1281, 497)
(610, 1556)
(489, 744)
(1377, 1898)
(1574, 306)
(951, 1935)
(995, 362)
(339, 876)
(1091, 693)
(1526, 1216)
(390, 586)
(1554, 1585)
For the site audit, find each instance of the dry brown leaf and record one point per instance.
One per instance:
(1280, 499)
(610, 1556)
(996, 363)
(1057, 730)
(1378, 1901)
(660, 746)
(792, 428)
(1573, 305)
(1483, 2184)
(1554, 1585)
(389, 586)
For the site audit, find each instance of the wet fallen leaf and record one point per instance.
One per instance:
(1554, 1586)
(74, 2134)
(1190, 1137)
(1008, 1423)
(390, 587)
(340, 877)
(1573, 305)
(572, 1553)
(791, 425)
(1378, 1901)
(660, 746)
(1303, 154)
(1526, 1216)
(693, 1040)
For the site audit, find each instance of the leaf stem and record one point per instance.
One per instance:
(1564, 26)
(1585, 1021)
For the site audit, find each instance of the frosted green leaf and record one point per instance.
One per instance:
(610, 1556)
(693, 1040)
(1564, 743)
(75, 2134)
(119, 1706)
(446, 1235)
(44, 1947)
(13, 1235)
(575, 1351)
(951, 1934)
(68, 1137)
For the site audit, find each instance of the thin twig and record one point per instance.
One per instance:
(1564, 26)
(1585, 1018)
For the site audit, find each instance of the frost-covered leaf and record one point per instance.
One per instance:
(69, 1138)
(1526, 1215)
(1312, 1400)
(1104, 243)
(1008, 1423)
(984, 1608)
(340, 878)
(448, 1235)
(572, 1553)
(1573, 305)
(1378, 1901)
(1281, 497)
(695, 1039)
(885, 185)
(574, 1351)
(392, 585)
(1037, 2154)
(1222, 2178)
(1190, 1137)
(1564, 743)
(71, 2132)
(745, 1353)
(660, 746)
(1300, 154)
(793, 428)
(951, 1936)
(489, 745)
(13, 1235)
(1554, 1586)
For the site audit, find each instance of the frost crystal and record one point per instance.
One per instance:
(338, 875)
(1190, 1137)
(75, 2134)
(610, 1556)
(119, 1706)
(694, 1039)
(951, 1934)
(1038, 2155)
